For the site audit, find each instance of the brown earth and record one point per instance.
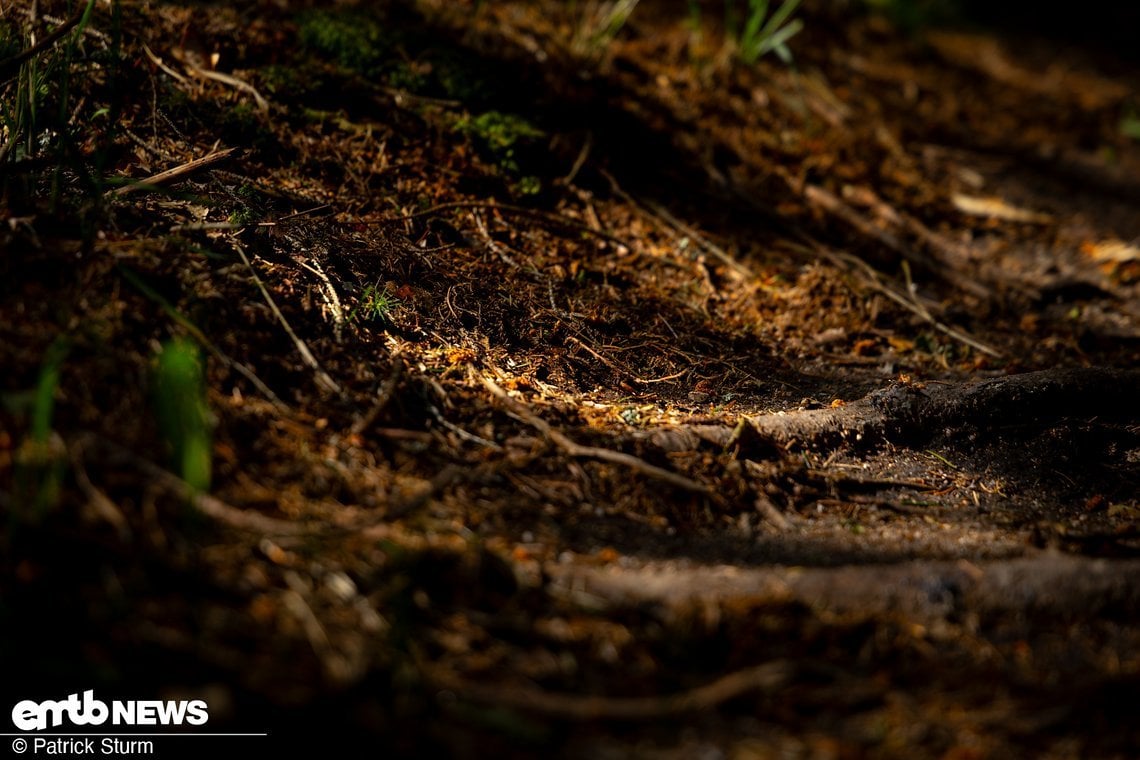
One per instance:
(704, 409)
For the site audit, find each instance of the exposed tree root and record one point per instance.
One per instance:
(912, 413)
(1045, 584)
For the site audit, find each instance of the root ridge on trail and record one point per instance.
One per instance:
(913, 412)
(926, 592)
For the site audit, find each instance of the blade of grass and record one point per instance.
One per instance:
(182, 412)
(199, 336)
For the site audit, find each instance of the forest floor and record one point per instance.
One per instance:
(574, 396)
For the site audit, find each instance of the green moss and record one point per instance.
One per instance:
(912, 15)
(249, 206)
(353, 40)
(406, 76)
(461, 78)
(396, 53)
(528, 185)
(1130, 123)
(243, 124)
(243, 217)
(11, 41)
(501, 135)
(287, 81)
(247, 192)
(511, 144)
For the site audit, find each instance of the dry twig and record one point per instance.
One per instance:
(909, 301)
(383, 396)
(208, 505)
(947, 270)
(11, 64)
(575, 449)
(323, 379)
(557, 221)
(622, 370)
(178, 172)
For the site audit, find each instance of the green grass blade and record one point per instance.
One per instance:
(183, 416)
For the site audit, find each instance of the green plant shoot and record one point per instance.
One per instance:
(763, 34)
(183, 416)
(41, 459)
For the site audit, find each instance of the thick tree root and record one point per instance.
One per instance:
(913, 413)
(1043, 586)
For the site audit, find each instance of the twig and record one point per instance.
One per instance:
(663, 217)
(557, 220)
(295, 602)
(13, 63)
(398, 96)
(868, 484)
(718, 252)
(873, 279)
(574, 449)
(151, 149)
(463, 434)
(833, 205)
(766, 508)
(157, 61)
(444, 478)
(321, 209)
(580, 161)
(383, 396)
(616, 368)
(323, 378)
(491, 243)
(99, 501)
(206, 227)
(208, 505)
(875, 502)
(768, 678)
(232, 81)
(205, 342)
(328, 292)
(178, 172)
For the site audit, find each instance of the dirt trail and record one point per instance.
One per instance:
(580, 399)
